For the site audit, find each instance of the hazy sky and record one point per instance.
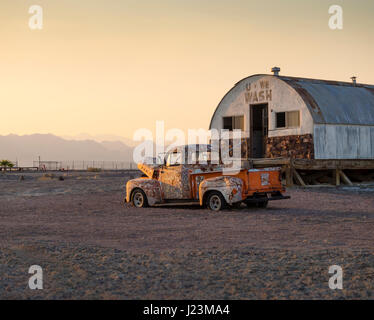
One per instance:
(113, 66)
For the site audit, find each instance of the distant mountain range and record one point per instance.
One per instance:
(54, 148)
(101, 138)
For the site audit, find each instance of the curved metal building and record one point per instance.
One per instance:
(300, 118)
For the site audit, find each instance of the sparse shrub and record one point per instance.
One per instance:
(6, 164)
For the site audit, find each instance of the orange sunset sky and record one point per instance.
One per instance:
(113, 66)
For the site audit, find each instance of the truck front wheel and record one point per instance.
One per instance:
(215, 201)
(139, 199)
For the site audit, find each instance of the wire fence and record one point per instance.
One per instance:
(84, 165)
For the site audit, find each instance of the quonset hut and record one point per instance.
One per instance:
(300, 118)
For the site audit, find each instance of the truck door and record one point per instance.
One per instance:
(174, 178)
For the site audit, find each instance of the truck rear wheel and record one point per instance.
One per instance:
(139, 199)
(251, 205)
(215, 201)
(263, 204)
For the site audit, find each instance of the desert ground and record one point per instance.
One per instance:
(92, 245)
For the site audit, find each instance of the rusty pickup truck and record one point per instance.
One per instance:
(207, 184)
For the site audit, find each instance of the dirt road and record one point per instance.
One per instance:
(92, 245)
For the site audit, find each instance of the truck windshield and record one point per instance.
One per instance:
(174, 159)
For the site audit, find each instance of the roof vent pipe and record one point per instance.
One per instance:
(354, 80)
(276, 71)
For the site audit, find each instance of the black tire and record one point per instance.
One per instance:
(215, 201)
(251, 204)
(263, 204)
(139, 199)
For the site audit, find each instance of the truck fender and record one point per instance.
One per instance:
(230, 187)
(151, 188)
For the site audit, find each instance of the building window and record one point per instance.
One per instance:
(232, 123)
(288, 119)
(281, 119)
(293, 119)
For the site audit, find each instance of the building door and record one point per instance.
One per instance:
(259, 130)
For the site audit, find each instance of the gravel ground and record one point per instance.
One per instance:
(93, 246)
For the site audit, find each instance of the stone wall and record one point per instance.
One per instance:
(298, 147)
(244, 144)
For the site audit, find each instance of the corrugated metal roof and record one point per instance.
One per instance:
(336, 102)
